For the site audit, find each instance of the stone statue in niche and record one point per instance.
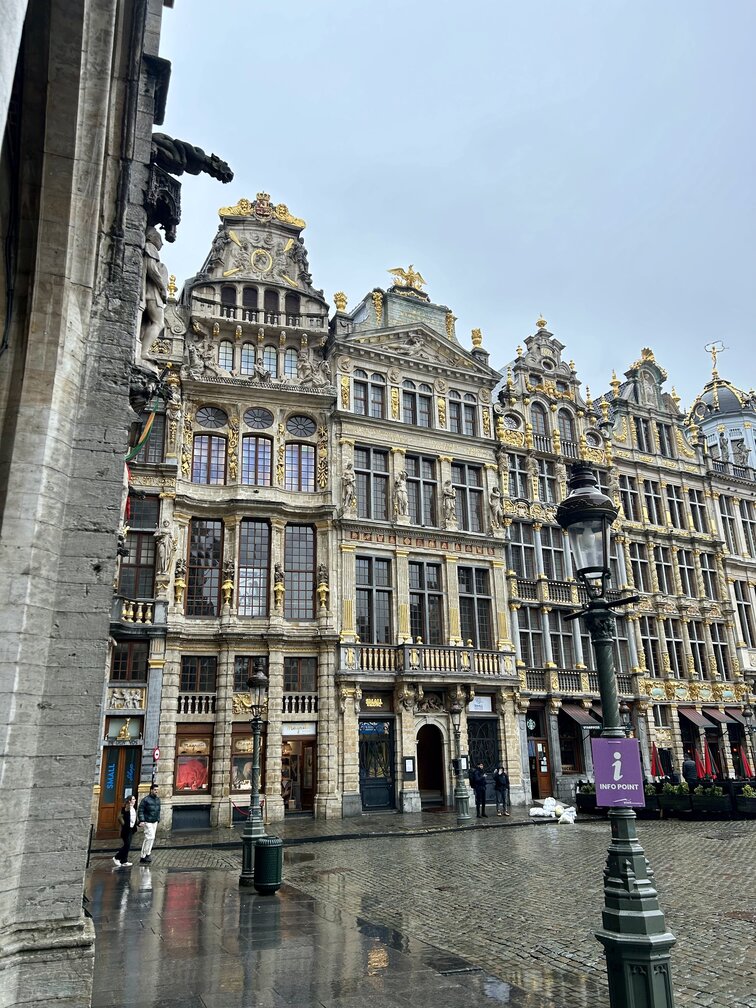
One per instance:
(724, 451)
(154, 292)
(217, 248)
(401, 497)
(304, 368)
(739, 453)
(449, 504)
(165, 547)
(348, 483)
(494, 508)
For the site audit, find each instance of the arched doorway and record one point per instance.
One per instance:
(430, 766)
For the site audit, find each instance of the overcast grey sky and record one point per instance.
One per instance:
(591, 161)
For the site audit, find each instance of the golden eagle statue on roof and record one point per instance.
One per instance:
(408, 278)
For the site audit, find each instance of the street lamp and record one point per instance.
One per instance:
(634, 935)
(750, 729)
(627, 723)
(461, 793)
(254, 826)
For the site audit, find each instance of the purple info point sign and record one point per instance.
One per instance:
(618, 772)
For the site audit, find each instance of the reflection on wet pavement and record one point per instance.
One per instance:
(169, 938)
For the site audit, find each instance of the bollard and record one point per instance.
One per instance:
(268, 864)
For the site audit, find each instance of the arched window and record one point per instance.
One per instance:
(228, 301)
(247, 365)
(541, 433)
(463, 414)
(369, 394)
(271, 307)
(249, 303)
(417, 404)
(226, 355)
(292, 309)
(209, 459)
(290, 363)
(270, 360)
(567, 433)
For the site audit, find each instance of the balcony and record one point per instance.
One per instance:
(300, 703)
(257, 316)
(457, 662)
(196, 703)
(527, 590)
(542, 443)
(573, 681)
(139, 613)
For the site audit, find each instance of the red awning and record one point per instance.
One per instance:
(579, 714)
(736, 714)
(717, 716)
(694, 717)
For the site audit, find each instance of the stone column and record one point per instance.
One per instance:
(404, 635)
(349, 703)
(348, 593)
(452, 595)
(641, 730)
(511, 746)
(274, 806)
(406, 741)
(168, 718)
(555, 752)
(220, 809)
(327, 795)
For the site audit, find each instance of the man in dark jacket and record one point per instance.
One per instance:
(478, 781)
(689, 772)
(148, 816)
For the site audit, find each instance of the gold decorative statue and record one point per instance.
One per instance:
(409, 277)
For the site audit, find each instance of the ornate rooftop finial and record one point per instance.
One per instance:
(340, 300)
(262, 209)
(409, 277)
(541, 322)
(519, 351)
(588, 400)
(715, 348)
(172, 288)
(675, 397)
(615, 383)
(510, 382)
(477, 338)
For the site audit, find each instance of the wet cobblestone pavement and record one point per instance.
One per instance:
(484, 917)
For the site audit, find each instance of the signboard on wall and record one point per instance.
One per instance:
(481, 705)
(299, 728)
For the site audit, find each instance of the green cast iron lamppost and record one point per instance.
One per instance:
(254, 826)
(461, 793)
(635, 938)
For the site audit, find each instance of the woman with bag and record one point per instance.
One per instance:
(501, 790)
(127, 820)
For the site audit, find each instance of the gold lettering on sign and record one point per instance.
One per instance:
(373, 702)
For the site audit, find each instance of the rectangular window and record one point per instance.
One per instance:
(300, 467)
(360, 398)
(748, 524)
(426, 602)
(675, 507)
(244, 668)
(522, 550)
(129, 662)
(203, 581)
(254, 568)
(547, 483)
(621, 647)
(531, 636)
(257, 460)
(209, 459)
(422, 490)
(468, 483)
(720, 649)
(519, 484)
(552, 550)
(371, 468)
(698, 648)
(562, 644)
(300, 675)
(709, 576)
(455, 417)
(674, 642)
(643, 434)
(639, 564)
(652, 499)
(475, 606)
(153, 450)
(727, 517)
(650, 642)
(374, 600)
(698, 516)
(665, 439)
(687, 571)
(192, 766)
(663, 565)
(198, 673)
(137, 571)
(745, 613)
(630, 498)
(299, 567)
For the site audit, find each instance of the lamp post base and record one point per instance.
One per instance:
(253, 829)
(461, 802)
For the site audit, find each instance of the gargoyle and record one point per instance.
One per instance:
(178, 156)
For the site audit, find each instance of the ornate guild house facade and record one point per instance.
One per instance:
(364, 508)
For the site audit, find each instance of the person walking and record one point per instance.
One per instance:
(689, 771)
(148, 817)
(127, 820)
(501, 791)
(479, 783)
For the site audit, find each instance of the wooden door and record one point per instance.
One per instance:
(119, 778)
(309, 773)
(540, 767)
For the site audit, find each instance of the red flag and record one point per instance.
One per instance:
(747, 770)
(656, 770)
(708, 763)
(700, 770)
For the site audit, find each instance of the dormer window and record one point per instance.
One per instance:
(541, 432)
(463, 412)
(567, 433)
(417, 403)
(369, 394)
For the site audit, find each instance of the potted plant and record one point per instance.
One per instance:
(585, 799)
(652, 799)
(675, 798)
(710, 799)
(746, 801)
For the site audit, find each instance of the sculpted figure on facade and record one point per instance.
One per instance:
(724, 451)
(217, 248)
(739, 453)
(449, 504)
(154, 291)
(178, 156)
(494, 508)
(304, 368)
(401, 498)
(165, 545)
(348, 484)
